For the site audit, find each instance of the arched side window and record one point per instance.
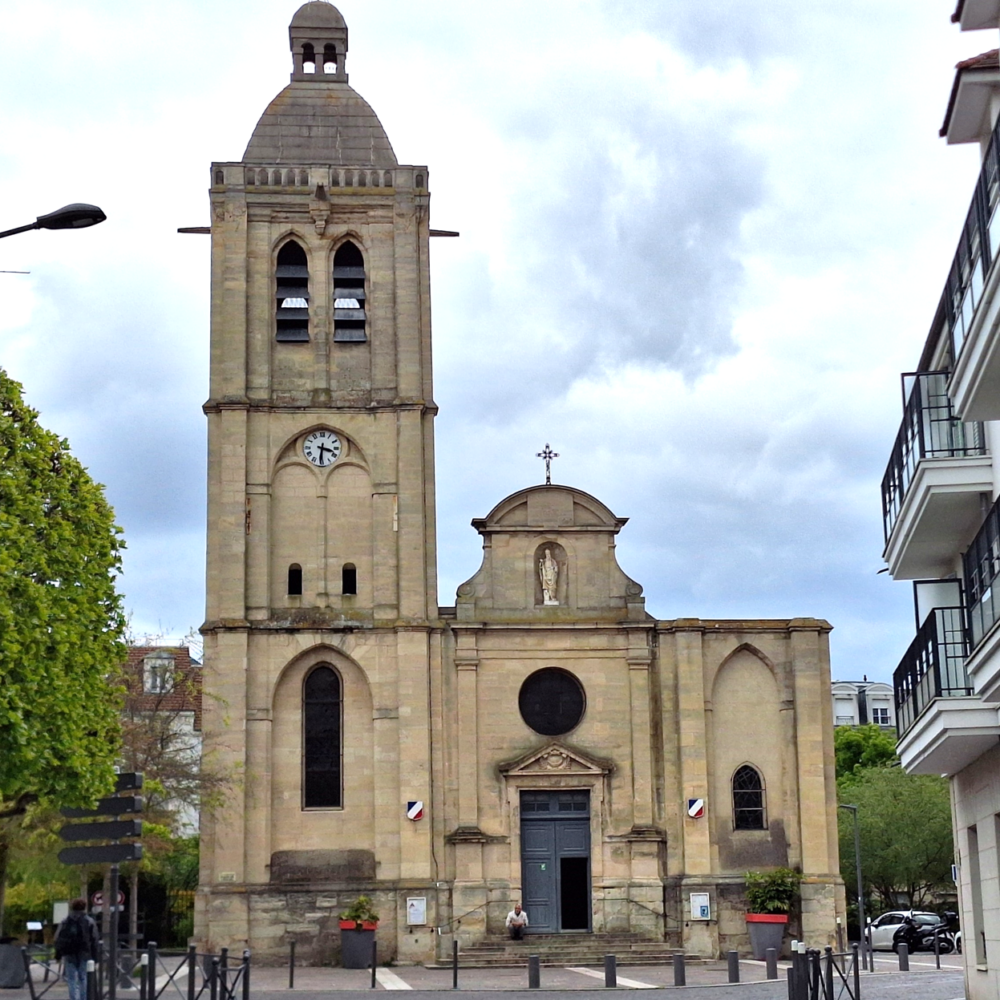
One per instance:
(292, 310)
(329, 58)
(748, 799)
(349, 316)
(295, 580)
(308, 58)
(349, 579)
(321, 723)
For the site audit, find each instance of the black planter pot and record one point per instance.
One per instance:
(356, 948)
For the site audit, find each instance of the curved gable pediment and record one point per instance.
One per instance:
(549, 507)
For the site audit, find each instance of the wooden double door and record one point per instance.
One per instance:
(555, 861)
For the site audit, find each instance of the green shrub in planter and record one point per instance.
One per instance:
(772, 892)
(769, 898)
(357, 934)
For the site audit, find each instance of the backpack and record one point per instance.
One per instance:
(71, 938)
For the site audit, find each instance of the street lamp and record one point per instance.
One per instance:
(861, 898)
(75, 216)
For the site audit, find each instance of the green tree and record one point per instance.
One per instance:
(61, 624)
(858, 747)
(904, 821)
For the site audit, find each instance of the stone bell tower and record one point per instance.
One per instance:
(322, 604)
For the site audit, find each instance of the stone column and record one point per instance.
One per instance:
(817, 791)
(697, 937)
(639, 659)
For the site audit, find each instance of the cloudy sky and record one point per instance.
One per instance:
(700, 241)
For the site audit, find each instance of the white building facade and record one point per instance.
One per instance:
(863, 703)
(941, 516)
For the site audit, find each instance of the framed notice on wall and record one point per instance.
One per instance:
(701, 908)
(416, 909)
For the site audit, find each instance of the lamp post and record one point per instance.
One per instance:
(75, 216)
(861, 898)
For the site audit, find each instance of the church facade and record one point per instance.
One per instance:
(544, 739)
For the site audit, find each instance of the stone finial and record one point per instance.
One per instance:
(318, 37)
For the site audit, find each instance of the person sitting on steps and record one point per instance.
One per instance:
(517, 920)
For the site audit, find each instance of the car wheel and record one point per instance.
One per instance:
(945, 947)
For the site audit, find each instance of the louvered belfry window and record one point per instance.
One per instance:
(349, 315)
(292, 312)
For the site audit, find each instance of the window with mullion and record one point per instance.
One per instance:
(748, 799)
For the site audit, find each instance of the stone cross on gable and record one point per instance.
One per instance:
(548, 454)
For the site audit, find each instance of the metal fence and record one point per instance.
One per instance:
(826, 975)
(187, 975)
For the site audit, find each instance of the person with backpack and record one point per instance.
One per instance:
(77, 943)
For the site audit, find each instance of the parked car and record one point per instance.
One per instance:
(885, 926)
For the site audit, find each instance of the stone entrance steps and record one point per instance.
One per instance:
(568, 949)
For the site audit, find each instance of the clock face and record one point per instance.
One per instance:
(322, 448)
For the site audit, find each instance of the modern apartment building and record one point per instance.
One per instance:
(941, 517)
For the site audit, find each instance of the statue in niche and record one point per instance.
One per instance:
(548, 573)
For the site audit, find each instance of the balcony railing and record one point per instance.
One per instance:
(978, 246)
(929, 430)
(981, 563)
(933, 666)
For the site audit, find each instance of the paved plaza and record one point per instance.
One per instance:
(705, 981)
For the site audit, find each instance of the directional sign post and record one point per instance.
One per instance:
(102, 854)
(115, 830)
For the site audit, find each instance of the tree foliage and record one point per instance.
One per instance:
(61, 622)
(904, 821)
(858, 747)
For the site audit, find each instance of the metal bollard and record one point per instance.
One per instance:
(213, 979)
(937, 950)
(192, 969)
(534, 976)
(224, 970)
(610, 971)
(904, 957)
(143, 975)
(246, 974)
(829, 972)
(840, 936)
(680, 973)
(734, 966)
(91, 979)
(291, 964)
(454, 964)
(791, 982)
(374, 960)
(771, 959)
(857, 972)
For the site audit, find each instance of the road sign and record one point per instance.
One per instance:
(115, 830)
(97, 899)
(129, 781)
(121, 805)
(101, 854)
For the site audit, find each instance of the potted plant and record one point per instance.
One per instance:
(357, 934)
(769, 898)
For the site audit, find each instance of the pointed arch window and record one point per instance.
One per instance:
(349, 315)
(322, 705)
(748, 799)
(292, 291)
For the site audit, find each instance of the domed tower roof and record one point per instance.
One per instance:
(318, 117)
